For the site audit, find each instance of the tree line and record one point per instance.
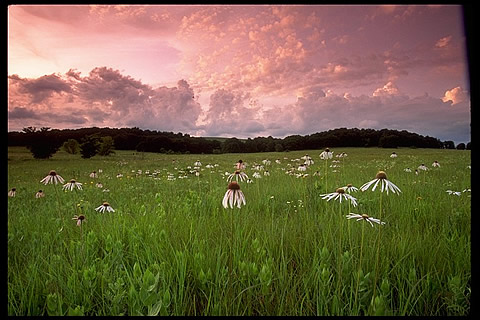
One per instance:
(45, 142)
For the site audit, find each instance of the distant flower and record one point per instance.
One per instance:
(93, 174)
(422, 167)
(99, 185)
(233, 196)
(72, 184)
(80, 219)
(278, 161)
(119, 175)
(39, 194)
(52, 177)
(257, 175)
(302, 167)
(249, 180)
(467, 190)
(103, 207)
(266, 162)
(393, 155)
(381, 177)
(240, 165)
(456, 193)
(266, 173)
(12, 192)
(341, 155)
(350, 188)
(416, 172)
(407, 170)
(197, 163)
(316, 173)
(326, 154)
(237, 175)
(436, 164)
(364, 217)
(339, 194)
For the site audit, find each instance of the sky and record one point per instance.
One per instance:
(240, 70)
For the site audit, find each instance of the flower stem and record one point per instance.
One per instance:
(378, 250)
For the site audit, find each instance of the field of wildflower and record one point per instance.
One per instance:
(347, 231)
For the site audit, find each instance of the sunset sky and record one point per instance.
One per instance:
(240, 70)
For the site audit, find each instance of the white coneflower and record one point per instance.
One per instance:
(93, 174)
(436, 164)
(12, 192)
(381, 177)
(407, 170)
(249, 180)
(72, 184)
(256, 175)
(99, 185)
(266, 173)
(105, 206)
(39, 194)
(266, 162)
(364, 217)
(119, 175)
(80, 219)
(326, 154)
(302, 167)
(339, 194)
(240, 165)
(456, 193)
(197, 163)
(422, 167)
(350, 188)
(416, 172)
(52, 177)
(237, 175)
(234, 196)
(278, 161)
(393, 155)
(308, 162)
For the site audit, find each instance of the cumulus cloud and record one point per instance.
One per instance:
(105, 97)
(455, 95)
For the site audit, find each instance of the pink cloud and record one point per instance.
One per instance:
(455, 95)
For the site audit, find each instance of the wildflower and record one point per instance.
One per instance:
(249, 180)
(197, 163)
(257, 175)
(416, 172)
(12, 192)
(326, 154)
(99, 185)
(339, 194)
(119, 175)
(40, 194)
(386, 184)
(240, 165)
(407, 170)
(105, 206)
(436, 164)
(93, 174)
(364, 217)
(278, 161)
(266, 162)
(393, 155)
(350, 188)
(233, 196)
(237, 175)
(80, 219)
(266, 173)
(72, 184)
(422, 167)
(302, 167)
(456, 193)
(52, 177)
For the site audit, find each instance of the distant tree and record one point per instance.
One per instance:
(461, 146)
(29, 129)
(90, 146)
(468, 147)
(232, 145)
(43, 145)
(279, 147)
(106, 146)
(449, 144)
(71, 146)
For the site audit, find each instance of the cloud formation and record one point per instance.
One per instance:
(240, 71)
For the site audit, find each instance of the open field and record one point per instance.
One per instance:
(171, 248)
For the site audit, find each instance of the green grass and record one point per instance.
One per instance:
(170, 248)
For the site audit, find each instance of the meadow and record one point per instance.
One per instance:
(171, 248)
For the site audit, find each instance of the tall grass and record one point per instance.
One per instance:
(170, 248)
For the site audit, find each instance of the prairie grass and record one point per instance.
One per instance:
(170, 248)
